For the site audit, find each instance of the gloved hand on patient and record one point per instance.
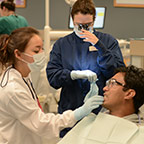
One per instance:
(90, 104)
(84, 74)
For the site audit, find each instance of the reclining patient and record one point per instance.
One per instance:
(122, 122)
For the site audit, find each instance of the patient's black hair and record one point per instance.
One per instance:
(134, 79)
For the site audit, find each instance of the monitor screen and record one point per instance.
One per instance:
(99, 20)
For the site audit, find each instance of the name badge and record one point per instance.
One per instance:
(92, 48)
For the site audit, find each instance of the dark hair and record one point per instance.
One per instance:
(9, 4)
(134, 79)
(18, 39)
(84, 7)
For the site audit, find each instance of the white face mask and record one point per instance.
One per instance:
(39, 61)
(77, 32)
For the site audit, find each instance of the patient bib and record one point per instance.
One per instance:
(104, 129)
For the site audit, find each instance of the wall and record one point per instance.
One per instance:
(34, 12)
(120, 22)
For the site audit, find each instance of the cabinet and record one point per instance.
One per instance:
(137, 52)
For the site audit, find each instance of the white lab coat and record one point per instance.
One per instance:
(21, 120)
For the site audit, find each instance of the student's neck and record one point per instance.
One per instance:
(23, 71)
(10, 13)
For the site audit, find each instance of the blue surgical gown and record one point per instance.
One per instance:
(72, 53)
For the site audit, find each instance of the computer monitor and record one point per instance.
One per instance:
(99, 20)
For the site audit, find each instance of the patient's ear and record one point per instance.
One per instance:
(130, 93)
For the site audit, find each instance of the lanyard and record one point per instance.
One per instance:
(32, 92)
(31, 89)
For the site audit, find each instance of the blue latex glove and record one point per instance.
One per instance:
(88, 106)
(85, 74)
(93, 91)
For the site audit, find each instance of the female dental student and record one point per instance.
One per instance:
(22, 121)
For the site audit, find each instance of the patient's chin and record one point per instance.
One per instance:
(105, 105)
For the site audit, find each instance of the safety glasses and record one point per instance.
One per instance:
(111, 82)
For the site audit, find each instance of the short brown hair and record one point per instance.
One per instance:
(9, 4)
(84, 7)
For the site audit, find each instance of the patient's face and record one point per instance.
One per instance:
(113, 93)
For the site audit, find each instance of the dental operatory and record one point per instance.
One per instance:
(71, 72)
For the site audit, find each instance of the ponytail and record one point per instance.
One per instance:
(5, 57)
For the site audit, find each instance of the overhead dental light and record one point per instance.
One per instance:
(70, 2)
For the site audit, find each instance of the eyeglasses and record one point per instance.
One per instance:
(112, 82)
(84, 26)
